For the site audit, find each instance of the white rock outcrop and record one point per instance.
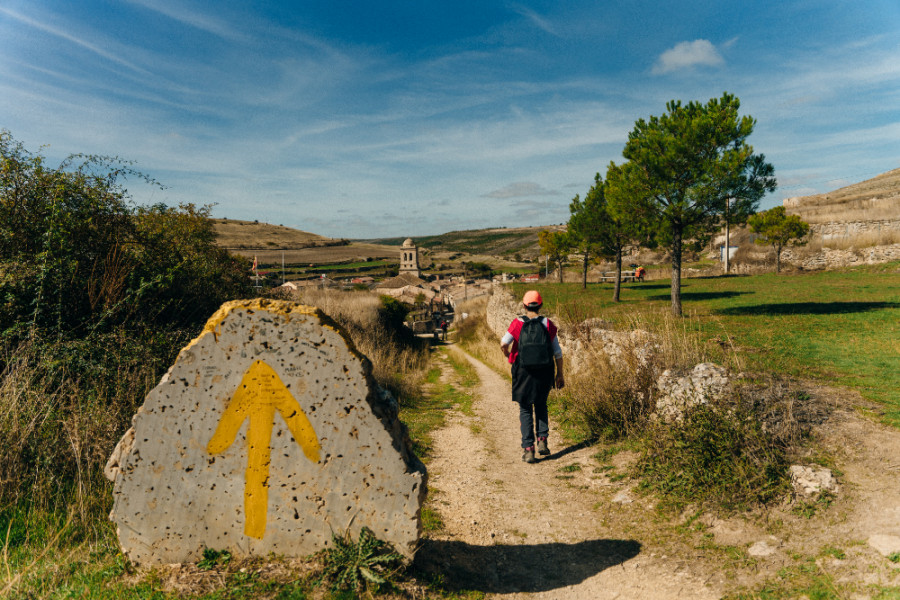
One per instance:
(267, 435)
(704, 383)
(811, 481)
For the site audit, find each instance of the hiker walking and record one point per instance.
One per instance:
(533, 349)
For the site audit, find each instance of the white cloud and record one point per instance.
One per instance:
(520, 189)
(687, 55)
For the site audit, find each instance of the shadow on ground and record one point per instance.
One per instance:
(632, 285)
(808, 308)
(505, 569)
(701, 295)
(568, 450)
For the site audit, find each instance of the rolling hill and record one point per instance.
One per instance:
(235, 235)
(500, 242)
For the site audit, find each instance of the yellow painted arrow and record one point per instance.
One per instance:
(259, 395)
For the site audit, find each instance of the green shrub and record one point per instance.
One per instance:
(96, 299)
(77, 259)
(719, 455)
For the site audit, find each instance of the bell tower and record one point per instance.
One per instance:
(409, 258)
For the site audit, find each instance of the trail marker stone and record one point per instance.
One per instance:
(267, 435)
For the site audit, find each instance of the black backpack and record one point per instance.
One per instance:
(534, 343)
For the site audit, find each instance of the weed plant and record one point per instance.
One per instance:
(367, 563)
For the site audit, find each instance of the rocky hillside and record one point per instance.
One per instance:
(876, 199)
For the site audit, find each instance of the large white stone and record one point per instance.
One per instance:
(267, 435)
(886, 545)
(812, 480)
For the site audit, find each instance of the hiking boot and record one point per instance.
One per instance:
(529, 455)
(542, 448)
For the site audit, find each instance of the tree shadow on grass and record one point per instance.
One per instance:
(808, 308)
(506, 569)
(634, 286)
(719, 276)
(653, 286)
(701, 295)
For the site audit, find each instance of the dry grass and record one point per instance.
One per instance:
(612, 392)
(865, 239)
(57, 433)
(477, 338)
(399, 359)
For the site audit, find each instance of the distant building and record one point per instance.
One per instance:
(401, 280)
(530, 278)
(409, 258)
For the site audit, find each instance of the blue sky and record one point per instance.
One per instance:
(372, 119)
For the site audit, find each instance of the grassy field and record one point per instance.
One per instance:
(839, 327)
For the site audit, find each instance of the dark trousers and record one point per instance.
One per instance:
(528, 413)
(530, 388)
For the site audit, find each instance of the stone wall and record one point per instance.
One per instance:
(502, 308)
(829, 231)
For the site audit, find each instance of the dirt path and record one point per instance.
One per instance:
(564, 528)
(529, 531)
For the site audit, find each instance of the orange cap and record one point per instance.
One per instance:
(532, 299)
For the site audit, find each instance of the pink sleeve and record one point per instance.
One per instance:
(515, 328)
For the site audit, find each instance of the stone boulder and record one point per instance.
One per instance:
(678, 392)
(267, 435)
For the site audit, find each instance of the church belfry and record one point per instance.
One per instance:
(409, 258)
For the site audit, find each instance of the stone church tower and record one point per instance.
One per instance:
(409, 258)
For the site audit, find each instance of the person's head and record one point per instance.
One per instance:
(532, 301)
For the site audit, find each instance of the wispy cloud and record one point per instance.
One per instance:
(540, 22)
(520, 189)
(60, 33)
(687, 55)
(186, 16)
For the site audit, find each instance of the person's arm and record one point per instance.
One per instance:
(558, 358)
(560, 379)
(506, 344)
